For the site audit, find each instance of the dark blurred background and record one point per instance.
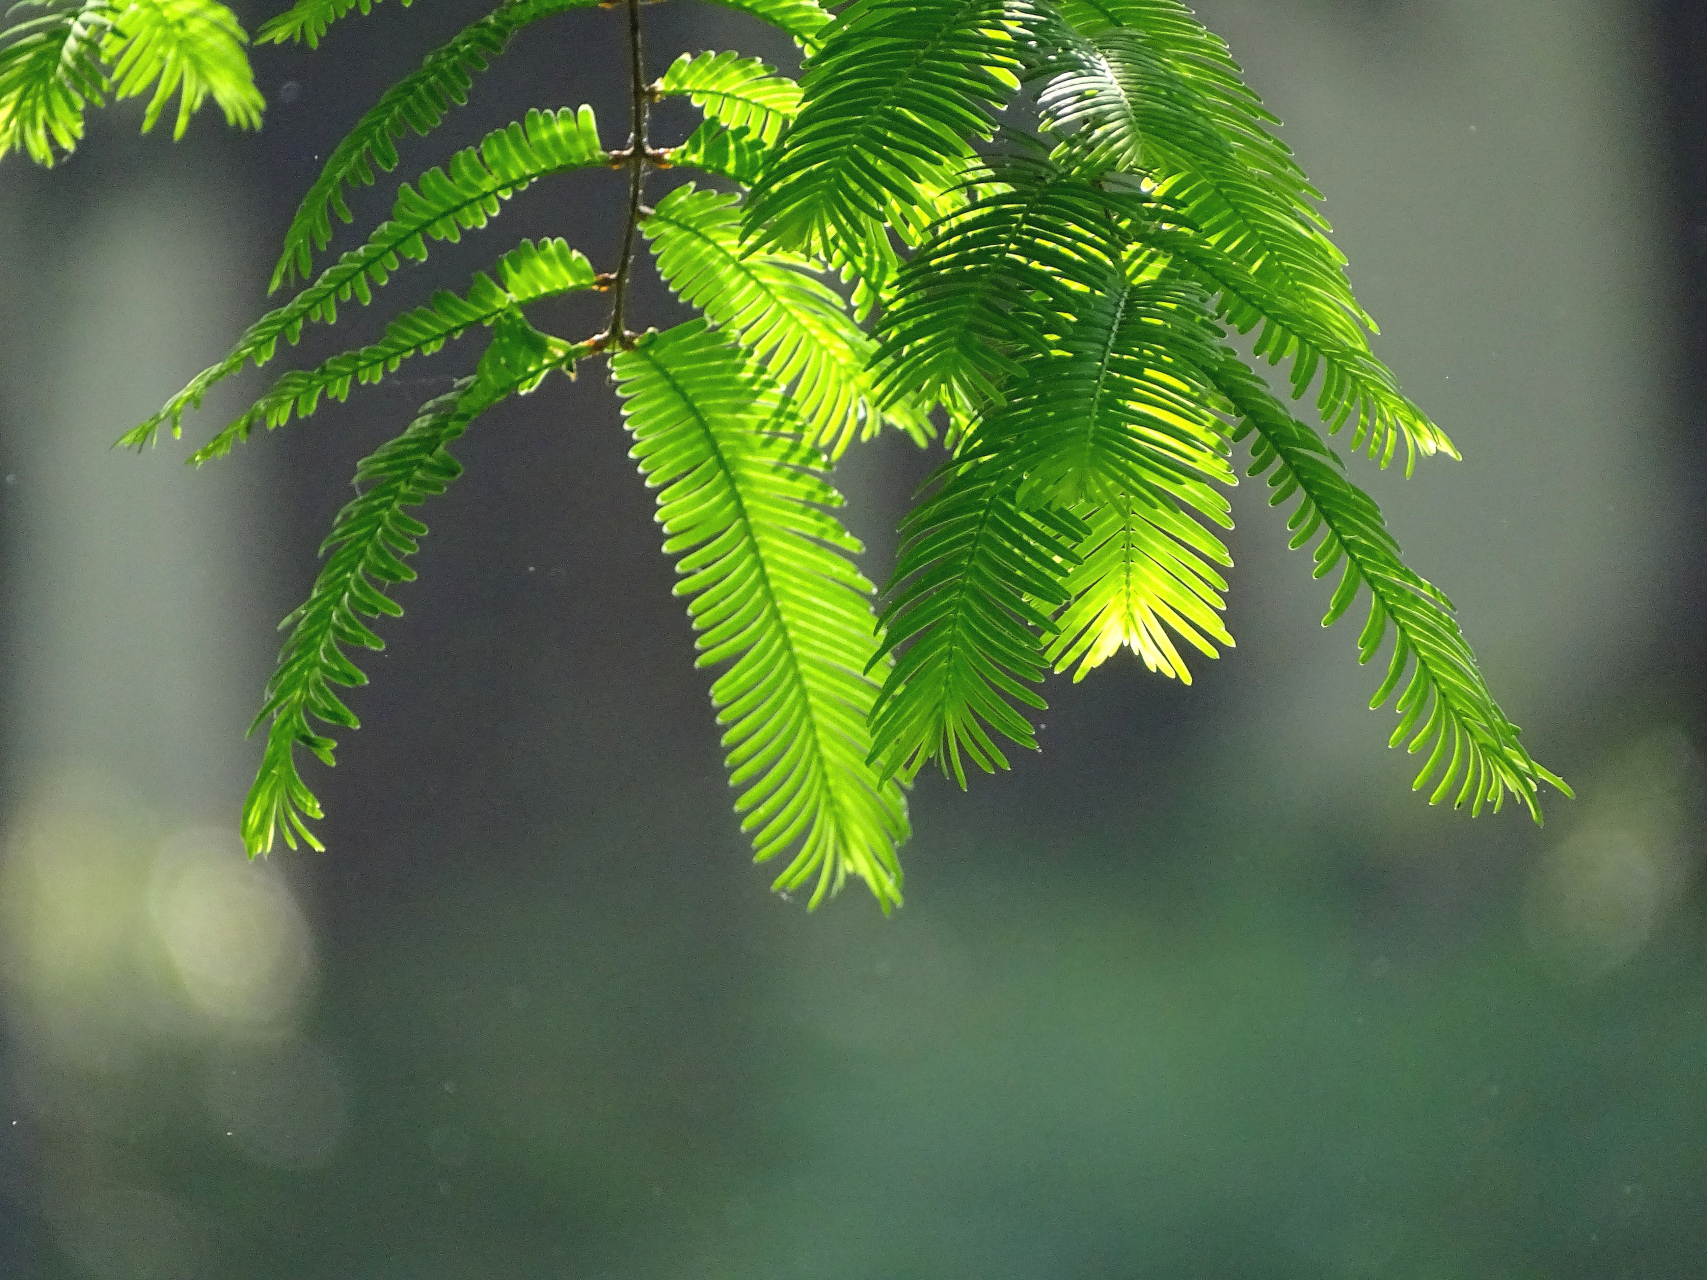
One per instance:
(1200, 991)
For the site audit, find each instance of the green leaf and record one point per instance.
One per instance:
(1355, 386)
(1118, 424)
(50, 73)
(790, 321)
(368, 544)
(1143, 569)
(419, 102)
(1116, 411)
(975, 581)
(526, 274)
(1148, 89)
(1445, 704)
(1124, 402)
(726, 153)
(193, 48)
(1203, 145)
(54, 67)
(447, 204)
(893, 99)
(308, 20)
(802, 19)
(742, 501)
(1202, 73)
(738, 93)
(1110, 92)
(983, 288)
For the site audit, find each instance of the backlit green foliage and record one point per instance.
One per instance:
(743, 503)
(1046, 216)
(70, 56)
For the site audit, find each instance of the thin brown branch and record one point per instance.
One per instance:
(635, 158)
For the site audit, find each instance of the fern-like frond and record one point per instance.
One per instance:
(1144, 569)
(1119, 422)
(976, 580)
(739, 93)
(463, 196)
(1445, 704)
(727, 153)
(1149, 90)
(307, 20)
(1125, 402)
(802, 19)
(1237, 183)
(977, 294)
(742, 504)
(55, 66)
(368, 543)
(50, 73)
(1098, 112)
(1159, 47)
(790, 321)
(418, 101)
(526, 274)
(893, 98)
(1119, 414)
(192, 48)
(1355, 387)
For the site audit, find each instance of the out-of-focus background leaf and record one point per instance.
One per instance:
(1202, 991)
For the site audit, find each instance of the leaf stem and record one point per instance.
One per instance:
(616, 334)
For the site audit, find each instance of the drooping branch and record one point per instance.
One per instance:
(636, 158)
